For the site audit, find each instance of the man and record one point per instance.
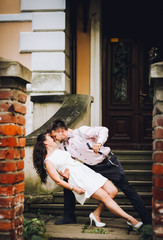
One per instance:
(87, 145)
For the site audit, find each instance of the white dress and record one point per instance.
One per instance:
(80, 175)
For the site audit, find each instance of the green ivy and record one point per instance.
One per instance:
(147, 232)
(99, 231)
(96, 230)
(35, 230)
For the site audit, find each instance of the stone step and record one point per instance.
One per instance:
(133, 155)
(120, 199)
(136, 165)
(80, 210)
(55, 204)
(57, 198)
(116, 228)
(142, 186)
(137, 175)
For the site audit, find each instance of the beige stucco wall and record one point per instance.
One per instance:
(83, 57)
(10, 34)
(9, 6)
(9, 41)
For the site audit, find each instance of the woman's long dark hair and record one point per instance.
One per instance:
(39, 154)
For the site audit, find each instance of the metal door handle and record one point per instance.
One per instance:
(143, 94)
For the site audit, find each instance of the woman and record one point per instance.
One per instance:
(83, 181)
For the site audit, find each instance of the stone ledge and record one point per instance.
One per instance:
(39, 198)
(48, 5)
(22, 17)
(156, 70)
(9, 68)
(47, 98)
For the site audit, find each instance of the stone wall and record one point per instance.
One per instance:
(157, 78)
(13, 79)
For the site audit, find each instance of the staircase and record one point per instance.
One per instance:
(138, 169)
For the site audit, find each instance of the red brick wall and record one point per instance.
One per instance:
(12, 143)
(157, 208)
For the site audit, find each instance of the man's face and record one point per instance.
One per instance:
(59, 135)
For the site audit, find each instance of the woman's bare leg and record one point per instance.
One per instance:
(97, 212)
(110, 188)
(112, 191)
(103, 196)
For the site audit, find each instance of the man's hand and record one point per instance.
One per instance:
(96, 147)
(66, 173)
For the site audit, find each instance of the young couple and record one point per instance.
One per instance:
(85, 144)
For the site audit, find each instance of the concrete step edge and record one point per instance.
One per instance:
(78, 206)
(133, 152)
(135, 161)
(60, 194)
(138, 171)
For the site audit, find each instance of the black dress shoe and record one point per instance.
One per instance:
(65, 220)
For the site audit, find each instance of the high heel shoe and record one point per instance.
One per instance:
(92, 218)
(137, 226)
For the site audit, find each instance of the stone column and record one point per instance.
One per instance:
(157, 208)
(95, 84)
(13, 79)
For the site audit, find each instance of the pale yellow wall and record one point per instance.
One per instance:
(9, 41)
(9, 6)
(83, 58)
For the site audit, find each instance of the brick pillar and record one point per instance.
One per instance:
(157, 208)
(13, 79)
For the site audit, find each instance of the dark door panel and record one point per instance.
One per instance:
(127, 97)
(121, 126)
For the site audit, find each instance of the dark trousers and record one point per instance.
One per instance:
(123, 184)
(69, 204)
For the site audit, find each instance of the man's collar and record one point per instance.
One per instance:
(70, 133)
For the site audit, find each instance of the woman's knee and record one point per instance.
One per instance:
(110, 188)
(100, 195)
(114, 192)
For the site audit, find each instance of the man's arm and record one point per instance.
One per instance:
(98, 133)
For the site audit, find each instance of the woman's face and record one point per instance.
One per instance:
(49, 141)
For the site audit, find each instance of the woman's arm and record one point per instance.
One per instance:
(65, 174)
(56, 178)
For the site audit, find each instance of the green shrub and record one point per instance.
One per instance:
(35, 230)
(147, 233)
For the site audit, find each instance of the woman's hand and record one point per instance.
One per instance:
(78, 190)
(65, 174)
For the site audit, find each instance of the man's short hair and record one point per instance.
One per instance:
(59, 124)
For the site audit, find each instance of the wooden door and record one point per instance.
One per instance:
(127, 96)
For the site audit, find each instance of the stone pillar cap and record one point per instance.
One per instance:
(10, 68)
(156, 70)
